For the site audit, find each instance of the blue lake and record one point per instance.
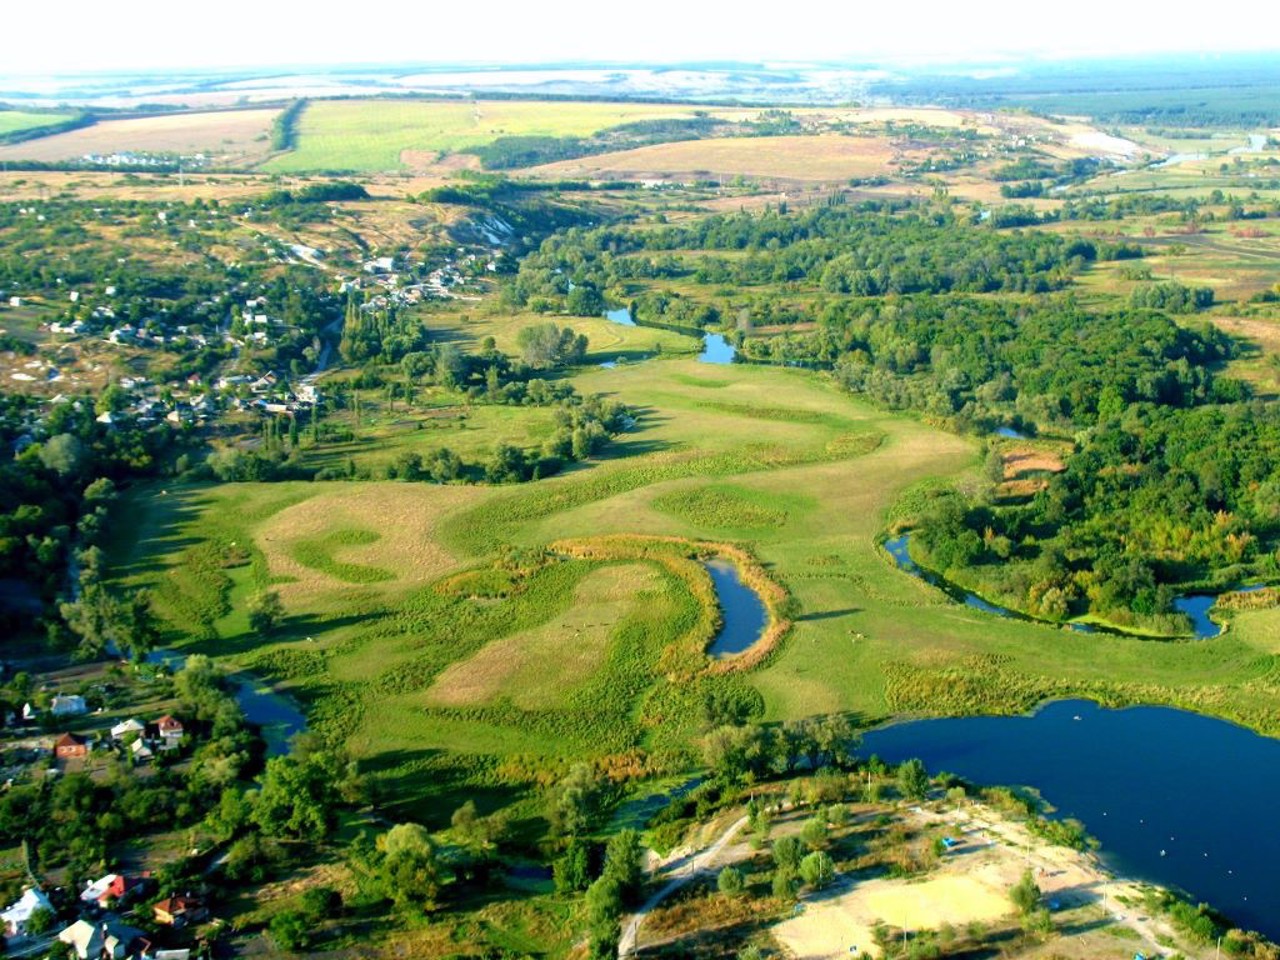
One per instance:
(741, 609)
(1175, 798)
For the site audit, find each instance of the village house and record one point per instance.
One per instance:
(112, 889)
(105, 941)
(68, 706)
(70, 747)
(180, 911)
(126, 727)
(16, 917)
(170, 730)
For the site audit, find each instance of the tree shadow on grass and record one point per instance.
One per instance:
(828, 614)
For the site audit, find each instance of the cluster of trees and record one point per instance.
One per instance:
(74, 819)
(511, 152)
(55, 496)
(870, 249)
(1155, 497)
(969, 360)
(284, 127)
(545, 345)
(1172, 297)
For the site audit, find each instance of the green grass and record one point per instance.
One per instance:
(727, 507)
(370, 135)
(12, 121)
(318, 554)
(774, 457)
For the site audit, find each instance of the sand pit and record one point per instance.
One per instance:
(972, 884)
(829, 928)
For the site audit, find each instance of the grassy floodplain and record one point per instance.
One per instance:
(420, 638)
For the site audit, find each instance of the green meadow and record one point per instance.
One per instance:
(427, 629)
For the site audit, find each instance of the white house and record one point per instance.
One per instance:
(92, 941)
(68, 706)
(126, 727)
(16, 917)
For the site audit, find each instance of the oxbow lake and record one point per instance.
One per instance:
(1175, 798)
(742, 610)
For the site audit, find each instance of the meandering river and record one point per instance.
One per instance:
(715, 348)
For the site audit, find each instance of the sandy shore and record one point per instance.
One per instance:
(972, 884)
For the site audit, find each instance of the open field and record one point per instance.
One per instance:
(374, 135)
(828, 157)
(456, 676)
(225, 137)
(12, 121)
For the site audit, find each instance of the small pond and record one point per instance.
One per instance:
(1175, 798)
(741, 609)
(1010, 433)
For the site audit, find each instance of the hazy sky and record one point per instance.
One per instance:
(75, 35)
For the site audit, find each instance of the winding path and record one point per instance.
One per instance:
(696, 865)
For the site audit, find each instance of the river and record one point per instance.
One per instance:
(715, 348)
(1195, 606)
(278, 717)
(1174, 798)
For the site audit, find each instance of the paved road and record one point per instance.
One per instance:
(698, 864)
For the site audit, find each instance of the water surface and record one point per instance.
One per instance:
(742, 610)
(1175, 798)
(716, 349)
(620, 316)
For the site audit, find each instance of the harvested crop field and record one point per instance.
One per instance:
(793, 158)
(226, 137)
